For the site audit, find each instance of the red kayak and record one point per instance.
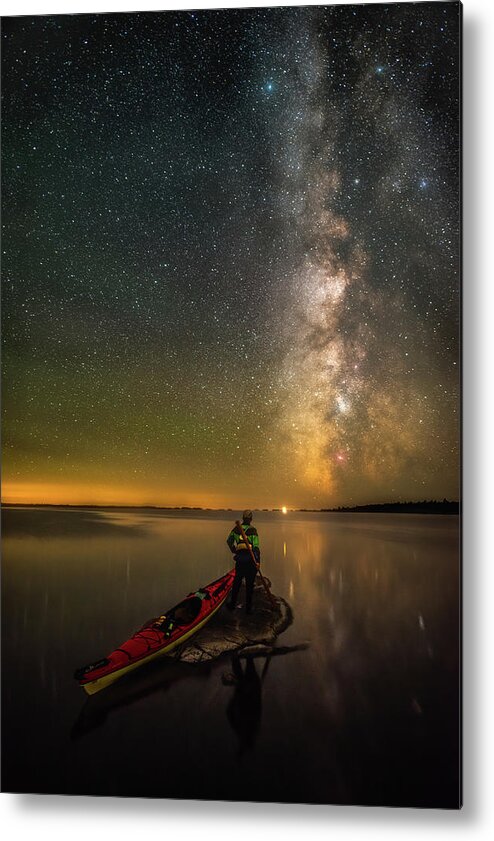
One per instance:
(157, 636)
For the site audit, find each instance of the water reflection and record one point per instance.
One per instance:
(370, 708)
(159, 676)
(244, 709)
(59, 522)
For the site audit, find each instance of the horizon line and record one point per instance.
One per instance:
(443, 501)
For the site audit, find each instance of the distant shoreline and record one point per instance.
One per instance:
(425, 507)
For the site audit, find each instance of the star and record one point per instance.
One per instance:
(197, 289)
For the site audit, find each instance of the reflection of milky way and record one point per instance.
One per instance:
(231, 256)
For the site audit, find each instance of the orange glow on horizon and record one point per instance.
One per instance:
(41, 493)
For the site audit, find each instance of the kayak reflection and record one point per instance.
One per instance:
(154, 677)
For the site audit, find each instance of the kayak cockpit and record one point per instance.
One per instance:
(186, 612)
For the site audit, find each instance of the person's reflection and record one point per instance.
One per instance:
(245, 707)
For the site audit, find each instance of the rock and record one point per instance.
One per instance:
(253, 651)
(235, 631)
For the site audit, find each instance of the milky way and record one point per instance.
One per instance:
(231, 256)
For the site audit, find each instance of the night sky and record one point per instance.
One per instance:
(231, 256)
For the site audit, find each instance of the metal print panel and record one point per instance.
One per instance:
(231, 404)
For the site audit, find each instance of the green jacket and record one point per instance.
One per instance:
(234, 538)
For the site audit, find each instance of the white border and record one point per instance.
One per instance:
(53, 818)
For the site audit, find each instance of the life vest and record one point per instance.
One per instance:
(250, 533)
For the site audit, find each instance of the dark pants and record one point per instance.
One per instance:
(244, 568)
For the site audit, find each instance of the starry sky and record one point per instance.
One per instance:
(230, 256)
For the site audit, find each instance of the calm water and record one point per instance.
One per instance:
(367, 714)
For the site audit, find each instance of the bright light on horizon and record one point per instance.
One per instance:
(284, 509)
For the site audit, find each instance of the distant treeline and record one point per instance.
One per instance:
(427, 506)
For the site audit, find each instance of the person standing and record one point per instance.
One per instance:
(245, 568)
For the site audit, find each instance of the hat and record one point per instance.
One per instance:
(247, 515)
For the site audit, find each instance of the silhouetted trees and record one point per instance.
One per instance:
(426, 506)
